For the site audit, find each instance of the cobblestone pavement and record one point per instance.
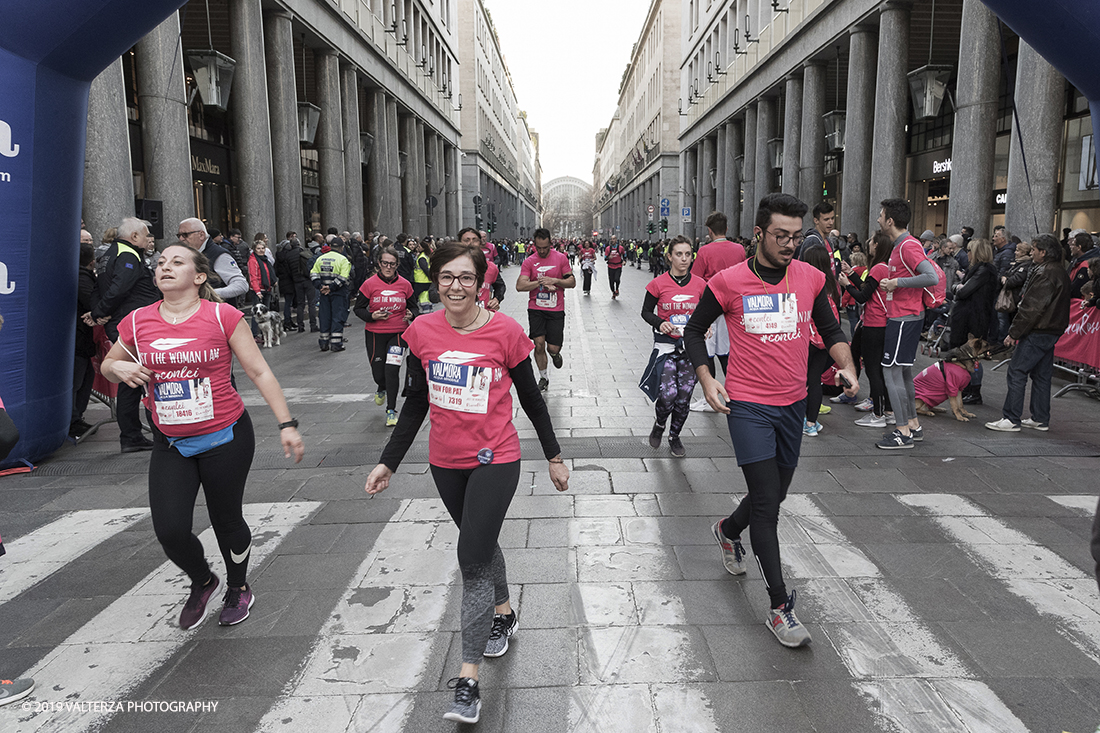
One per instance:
(947, 589)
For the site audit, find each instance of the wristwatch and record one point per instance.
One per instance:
(292, 423)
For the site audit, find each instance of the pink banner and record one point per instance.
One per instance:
(1081, 341)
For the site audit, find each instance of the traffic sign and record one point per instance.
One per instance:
(686, 212)
(665, 203)
(665, 211)
(649, 210)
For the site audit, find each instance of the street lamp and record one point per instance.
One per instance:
(308, 117)
(214, 76)
(366, 145)
(775, 152)
(928, 87)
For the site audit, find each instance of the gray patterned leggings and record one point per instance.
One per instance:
(677, 382)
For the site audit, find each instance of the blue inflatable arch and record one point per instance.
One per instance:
(50, 50)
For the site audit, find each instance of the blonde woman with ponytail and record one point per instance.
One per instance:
(180, 350)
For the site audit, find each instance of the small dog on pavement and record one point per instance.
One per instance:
(270, 324)
(952, 374)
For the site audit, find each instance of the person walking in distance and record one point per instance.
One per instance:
(614, 256)
(493, 289)
(180, 350)
(386, 302)
(669, 302)
(768, 303)
(330, 274)
(463, 361)
(588, 265)
(546, 275)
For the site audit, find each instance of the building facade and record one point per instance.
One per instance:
(500, 171)
(855, 101)
(338, 114)
(637, 156)
(567, 208)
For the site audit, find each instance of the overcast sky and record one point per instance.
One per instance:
(567, 58)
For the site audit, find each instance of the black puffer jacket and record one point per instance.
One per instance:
(973, 309)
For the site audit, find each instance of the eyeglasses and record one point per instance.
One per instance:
(466, 280)
(782, 239)
(185, 235)
(387, 264)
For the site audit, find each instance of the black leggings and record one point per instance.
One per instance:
(818, 361)
(872, 343)
(478, 500)
(614, 277)
(587, 275)
(386, 376)
(173, 487)
(759, 512)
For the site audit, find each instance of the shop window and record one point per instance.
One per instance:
(931, 134)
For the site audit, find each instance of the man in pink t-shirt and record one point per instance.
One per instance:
(546, 275)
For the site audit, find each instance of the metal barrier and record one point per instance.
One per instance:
(103, 400)
(1086, 378)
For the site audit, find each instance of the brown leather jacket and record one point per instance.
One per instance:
(1044, 304)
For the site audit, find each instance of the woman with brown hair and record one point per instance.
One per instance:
(972, 313)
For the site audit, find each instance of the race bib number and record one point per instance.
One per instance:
(184, 402)
(459, 387)
(546, 298)
(765, 314)
(394, 355)
(678, 322)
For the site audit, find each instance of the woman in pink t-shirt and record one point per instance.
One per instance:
(818, 360)
(181, 351)
(463, 360)
(869, 339)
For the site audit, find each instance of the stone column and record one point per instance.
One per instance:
(251, 121)
(859, 128)
(748, 208)
(1039, 94)
(353, 159)
(286, 153)
(108, 171)
(454, 211)
(734, 148)
(891, 110)
(973, 149)
(721, 162)
(394, 187)
(164, 136)
(421, 181)
(410, 213)
(765, 131)
(706, 187)
(330, 141)
(380, 214)
(792, 136)
(812, 158)
(431, 158)
(690, 171)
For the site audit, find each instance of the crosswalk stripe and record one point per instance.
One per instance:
(894, 658)
(101, 662)
(35, 556)
(637, 666)
(1032, 572)
(380, 636)
(1080, 503)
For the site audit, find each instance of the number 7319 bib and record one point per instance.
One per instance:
(459, 387)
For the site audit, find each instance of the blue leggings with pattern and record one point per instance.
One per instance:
(677, 382)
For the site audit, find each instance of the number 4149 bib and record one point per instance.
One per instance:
(765, 314)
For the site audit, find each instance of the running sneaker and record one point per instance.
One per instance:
(655, 436)
(825, 410)
(917, 434)
(556, 358)
(467, 704)
(865, 406)
(12, 690)
(237, 603)
(1004, 425)
(194, 610)
(871, 420)
(504, 627)
(843, 399)
(895, 441)
(391, 418)
(1029, 423)
(380, 397)
(701, 405)
(544, 384)
(786, 626)
(810, 431)
(733, 554)
(676, 446)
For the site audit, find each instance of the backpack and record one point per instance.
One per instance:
(935, 296)
(305, 263)
(615, 255)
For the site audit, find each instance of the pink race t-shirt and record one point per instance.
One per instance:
(674, 303)
(555, 265)
(190, 392)
(769, 327)
(390, 297)
(717, 256)
(485, 294)
(931, 387)
(469, 387)
(905, 258)
(874, 310)
(615, 254)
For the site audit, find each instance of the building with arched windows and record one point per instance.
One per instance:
(567, 207)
